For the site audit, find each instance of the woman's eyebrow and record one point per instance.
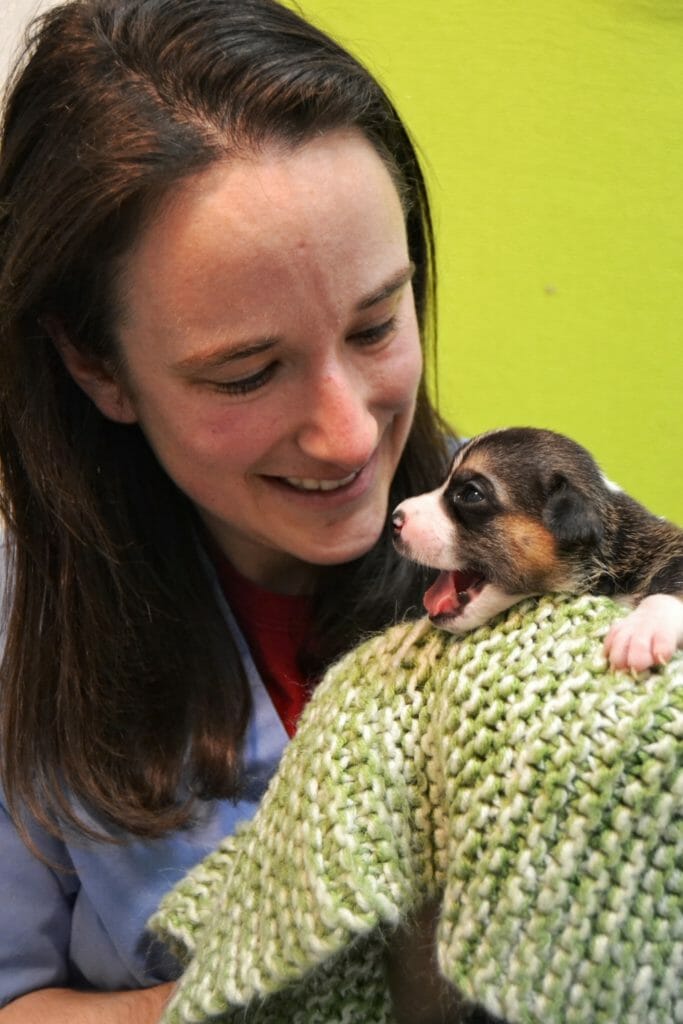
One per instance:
(222, 355)
(388, 289)
(227, 354)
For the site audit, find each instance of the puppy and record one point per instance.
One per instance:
(526, 511)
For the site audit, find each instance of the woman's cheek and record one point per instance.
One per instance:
(403, 375)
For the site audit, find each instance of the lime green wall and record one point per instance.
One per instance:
(553, 137)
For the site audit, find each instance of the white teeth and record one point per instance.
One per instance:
(320, 485)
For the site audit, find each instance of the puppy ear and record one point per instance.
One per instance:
(570, 515)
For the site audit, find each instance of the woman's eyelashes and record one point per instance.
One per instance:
(365, 338)
(378, 332)
(244, 385)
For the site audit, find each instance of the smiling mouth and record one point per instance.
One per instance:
(309, 484)
(452, 592)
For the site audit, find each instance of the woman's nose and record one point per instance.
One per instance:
(338, 424)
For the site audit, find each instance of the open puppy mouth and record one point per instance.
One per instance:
(452, 592)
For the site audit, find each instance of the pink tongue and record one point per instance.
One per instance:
(442, 596)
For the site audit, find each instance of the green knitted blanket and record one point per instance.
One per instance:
(539, 795)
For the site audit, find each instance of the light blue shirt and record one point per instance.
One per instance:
(84, 927)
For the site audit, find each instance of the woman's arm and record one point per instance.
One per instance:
(65, 1006)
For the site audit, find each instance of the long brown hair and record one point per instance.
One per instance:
(120, 679)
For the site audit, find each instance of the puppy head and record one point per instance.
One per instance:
(520, 513)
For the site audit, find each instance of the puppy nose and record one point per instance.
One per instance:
(397, 521)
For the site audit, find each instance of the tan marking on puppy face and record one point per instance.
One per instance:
(531, 545)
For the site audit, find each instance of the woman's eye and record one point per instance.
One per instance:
(470, 495)
(245, 384)
(372, 335)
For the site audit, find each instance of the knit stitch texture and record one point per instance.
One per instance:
(509, 772)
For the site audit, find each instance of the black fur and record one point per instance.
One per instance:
(611, 543)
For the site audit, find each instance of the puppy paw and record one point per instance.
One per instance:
(648, 636)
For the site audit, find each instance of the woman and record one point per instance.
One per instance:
(216, 272)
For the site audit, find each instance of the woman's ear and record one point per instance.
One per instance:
(92, 375)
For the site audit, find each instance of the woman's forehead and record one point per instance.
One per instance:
(329, 205)
(245, 244)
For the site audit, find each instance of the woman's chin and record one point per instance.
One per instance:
(348, 546)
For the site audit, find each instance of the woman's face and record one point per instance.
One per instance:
(271, 352)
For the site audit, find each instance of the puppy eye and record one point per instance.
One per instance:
(469, 494)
